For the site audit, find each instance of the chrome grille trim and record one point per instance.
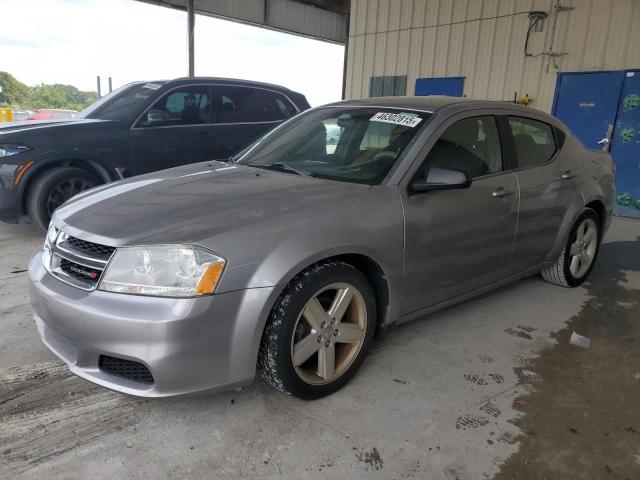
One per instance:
(64, 255)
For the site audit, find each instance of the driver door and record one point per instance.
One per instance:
(460, 239)
(176, 130)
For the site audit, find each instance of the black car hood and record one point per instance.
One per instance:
(31, 125)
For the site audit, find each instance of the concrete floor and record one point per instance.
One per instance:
(488, 389)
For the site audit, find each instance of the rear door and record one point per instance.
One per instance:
(549, 184)
(244, 114)
(459, 240)
(176, 130)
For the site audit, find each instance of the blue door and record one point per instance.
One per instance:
(450, 86)
(625, 147)
(591, 103)
(587, 103)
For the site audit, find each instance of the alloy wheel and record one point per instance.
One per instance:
(583, 249)
(329, 333)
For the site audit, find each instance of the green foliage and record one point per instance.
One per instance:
(13, 92)
(18, 95)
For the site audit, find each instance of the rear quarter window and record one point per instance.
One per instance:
(276, 106)
(533, 140)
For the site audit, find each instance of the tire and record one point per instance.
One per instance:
(289, 328)
(54, 187)
(562, 272)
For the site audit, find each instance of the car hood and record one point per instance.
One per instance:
(193, 203)
(30, 125)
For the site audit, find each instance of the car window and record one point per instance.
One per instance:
(332, 135)
(276, 106)
(279, 104)
(189, 105)
(123, 104)
(238, 104)
(353, 144)
(471, 145)
(533, 140)
(269, 111)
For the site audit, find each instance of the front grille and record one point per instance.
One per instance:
(78, 262)
(134, 371)
(80, 272)
(93, 250)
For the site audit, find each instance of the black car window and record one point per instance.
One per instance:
(533, 140)
(471, 145)
(279, 107)
(123, 104)
(237, 104)
(189, 105)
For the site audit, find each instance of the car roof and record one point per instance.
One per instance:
(433, 103)
(233, 81)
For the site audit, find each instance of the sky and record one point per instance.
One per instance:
(73, 41)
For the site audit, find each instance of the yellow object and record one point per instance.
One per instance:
(526, 100)
(210, 278)
(6, 115)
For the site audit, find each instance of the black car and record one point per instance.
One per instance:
(139, 128)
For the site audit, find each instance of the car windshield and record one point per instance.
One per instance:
(123, 104)
(350, 144)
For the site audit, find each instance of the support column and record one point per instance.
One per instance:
(191, 20)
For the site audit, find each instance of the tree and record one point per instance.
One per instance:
(18, 95)
(61, 96)
(14, 92)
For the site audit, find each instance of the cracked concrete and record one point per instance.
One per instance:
(451, 396)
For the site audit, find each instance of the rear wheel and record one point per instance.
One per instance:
(54, 187)
(319, 331)
(579, 254)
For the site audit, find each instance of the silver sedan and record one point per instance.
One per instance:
(289, 258)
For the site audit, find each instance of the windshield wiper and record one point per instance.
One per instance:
(282, 167)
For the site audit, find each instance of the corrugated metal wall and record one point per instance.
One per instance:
(287, 15)
(483, 40)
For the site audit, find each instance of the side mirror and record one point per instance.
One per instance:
(441, 179)
(156, 116)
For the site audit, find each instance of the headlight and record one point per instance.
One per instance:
(52, 235)
(49, 239)
(162, 271)
(6, 149)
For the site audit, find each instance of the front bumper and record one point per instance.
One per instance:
(9, 202)
(188, 345)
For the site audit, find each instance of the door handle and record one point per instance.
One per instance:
(606, 141)
(503, 192)
(569, 174)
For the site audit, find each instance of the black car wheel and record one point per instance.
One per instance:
(53, 188)
(319, 331)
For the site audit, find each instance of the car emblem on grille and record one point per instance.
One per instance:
(85, 273)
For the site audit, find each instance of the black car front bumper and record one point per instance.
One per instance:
(10, 205)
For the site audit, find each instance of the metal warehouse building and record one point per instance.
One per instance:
(577, 59)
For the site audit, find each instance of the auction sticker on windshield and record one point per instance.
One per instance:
(396, 118)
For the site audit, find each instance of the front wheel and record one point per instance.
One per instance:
(319, 331)
(579, 254)
(54, 187)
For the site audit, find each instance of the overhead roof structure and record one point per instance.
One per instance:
(325, 20)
